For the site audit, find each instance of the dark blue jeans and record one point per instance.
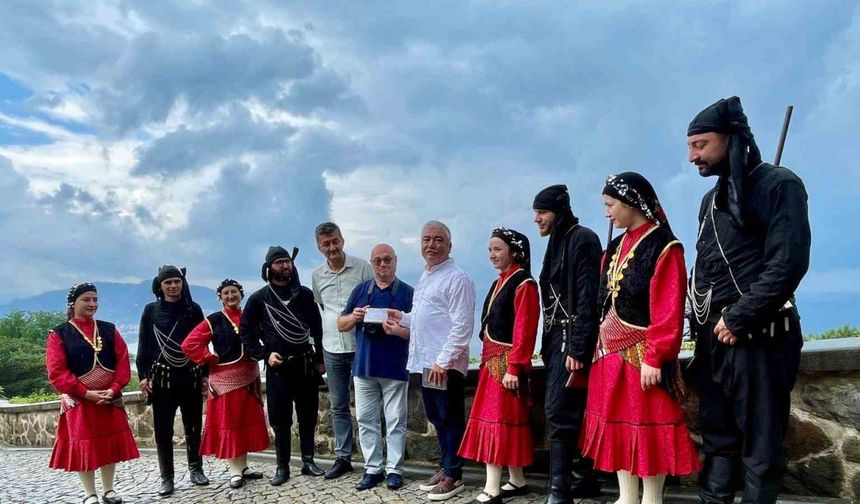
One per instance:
(338, 368)
(446, 410)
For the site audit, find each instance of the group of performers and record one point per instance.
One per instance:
(612, 329)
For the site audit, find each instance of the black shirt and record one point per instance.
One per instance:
(164, 315)
(257, 326)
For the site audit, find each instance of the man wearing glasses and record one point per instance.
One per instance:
(379, 369)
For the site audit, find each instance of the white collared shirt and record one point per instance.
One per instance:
(332, 290)
(442, 319)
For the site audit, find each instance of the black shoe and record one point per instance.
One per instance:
(114, 499)
(559, 473)
(584, 482)
(341, 466)
(309, 467)
(237, 481)
(394, 481)
(166, 487)
(490, 499)
(251, 475)
(197, 477)
(282, 474)
(515, 491)
(369, 481)
(582, 489)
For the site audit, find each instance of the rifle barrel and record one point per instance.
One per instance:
(785, 123)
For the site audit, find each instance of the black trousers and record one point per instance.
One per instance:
(186, 395)
(564, 407)
(744, 403)
(286, 386)
(446, 410)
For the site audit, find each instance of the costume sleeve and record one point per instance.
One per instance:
(196, 345)
(667, 294)
(461, 309)
(526, 315)
(123, 367)
(786, 257)
(58, 371)
(250, 329)
(144, 340)
(584, 279)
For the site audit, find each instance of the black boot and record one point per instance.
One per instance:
(559, 473)
(718, 480)
(584, 481)
(309, 467)
(165, 465)
(195, 460)
(282, 454)
(761, 489)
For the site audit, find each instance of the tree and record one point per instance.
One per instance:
(22, 351)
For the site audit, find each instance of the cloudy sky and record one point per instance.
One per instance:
(134, 134)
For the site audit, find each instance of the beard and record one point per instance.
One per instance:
(709, 170)
(283, 276)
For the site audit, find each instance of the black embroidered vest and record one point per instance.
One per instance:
(498, 314)
(633, 300)
(80, 356)
(225, 341)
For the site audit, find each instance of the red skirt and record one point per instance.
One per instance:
(498, 431)
(626, 428)
(235, 425)
(92, 435)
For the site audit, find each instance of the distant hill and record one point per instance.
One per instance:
(120, 303)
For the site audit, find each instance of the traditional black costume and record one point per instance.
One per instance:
(752, 252)
(569, 282)
(176, 381)
(287, 321)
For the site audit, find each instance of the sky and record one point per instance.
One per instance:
(135, 134)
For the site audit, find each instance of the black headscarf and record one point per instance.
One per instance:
(168, 271)
(634, 190)
(727, 116)
(276, 252)
(77, 291)
(556, 199)
(519, 244)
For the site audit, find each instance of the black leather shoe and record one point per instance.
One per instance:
(394, 481)
(514, 491)
(369, 481)
(251, 475)
(341, 466)
(309, 467)
(166, 487)
(488, 499)
(198, 478)
(237, 481)
(282, 474)
(113, 499)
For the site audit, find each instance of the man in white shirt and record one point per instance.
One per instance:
(333, 282)
(441, 323)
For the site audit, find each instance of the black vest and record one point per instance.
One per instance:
(633, 303)
(225, 341)
(498, 318)
(80, 356)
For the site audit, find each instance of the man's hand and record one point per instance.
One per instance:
(573, 364)
(437, 375)
(723, 334)
(204, 386)
(321, 368)
(391, 327)
(650, 376)
(275, 359)
(146, 387)
(394, 315)
(511, 382)
(359, 312)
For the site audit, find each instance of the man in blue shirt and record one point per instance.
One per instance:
(379, 369)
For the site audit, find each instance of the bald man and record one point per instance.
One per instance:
(379, 369)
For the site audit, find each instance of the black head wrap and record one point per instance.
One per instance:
(556, 199)
(168, 271)
(727, 116)
(519, 244)
(634, 190)
(276, 252)
(77, 291)
(229, 282)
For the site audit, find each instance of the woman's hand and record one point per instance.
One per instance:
(146, 387)
(511, 382)
(650, 376)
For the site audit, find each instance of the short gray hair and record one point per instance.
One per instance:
(326, 228)
(437, 224)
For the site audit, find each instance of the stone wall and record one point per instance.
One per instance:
(823, 442)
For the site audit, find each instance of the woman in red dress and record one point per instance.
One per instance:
(498, 432)
(634, 425)
(88, 364)
(235, 423)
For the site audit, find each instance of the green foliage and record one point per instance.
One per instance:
(839, 332)
(35, 397)
(22, 351)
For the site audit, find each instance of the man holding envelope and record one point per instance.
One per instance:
(379, 369)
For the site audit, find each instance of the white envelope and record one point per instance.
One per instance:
(375, 315)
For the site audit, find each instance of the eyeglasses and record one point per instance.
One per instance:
(378, 261)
